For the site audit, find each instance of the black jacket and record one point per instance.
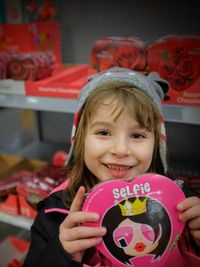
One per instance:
(45, 249)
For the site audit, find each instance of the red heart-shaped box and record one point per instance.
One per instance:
(141, 219)
(177, 59)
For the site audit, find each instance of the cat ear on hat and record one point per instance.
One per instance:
(161, 86)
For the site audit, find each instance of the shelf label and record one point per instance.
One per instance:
(8, 86)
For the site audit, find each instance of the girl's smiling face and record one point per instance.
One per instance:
(116, 147)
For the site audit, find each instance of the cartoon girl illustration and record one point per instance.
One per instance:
(137, 226)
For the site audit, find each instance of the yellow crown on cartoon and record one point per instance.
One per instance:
(133, 208)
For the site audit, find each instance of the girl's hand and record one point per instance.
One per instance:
(190, 211)
(74, 237)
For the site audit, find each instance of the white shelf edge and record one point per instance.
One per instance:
(172, 113)
(16, 220)
(38, 103)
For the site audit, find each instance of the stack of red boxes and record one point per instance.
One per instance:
(24, 182)
(176, 58)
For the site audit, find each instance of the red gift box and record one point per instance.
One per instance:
(13, 251)
(8, 196)
(29, 37)
(65, 83)
(25, 208)
(14, 171)
(177, 59)
(118, 51)
(43, 181)
(10, 204)
(31, 66)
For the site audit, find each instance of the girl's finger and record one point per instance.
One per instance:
(70, 221)
(81, 232)
(188, 203)
(195, 224)
(78, 200)
(75, 218)
(190, 213)
(73, 247)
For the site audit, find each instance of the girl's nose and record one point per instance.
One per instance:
(120, 148)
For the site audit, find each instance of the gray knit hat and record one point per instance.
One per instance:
(152, 84)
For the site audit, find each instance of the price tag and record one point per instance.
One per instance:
(8, 86)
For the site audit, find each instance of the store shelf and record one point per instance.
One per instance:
(18, 221)
(43, 151)
(38, 103)
(172, 113)
(181, 114)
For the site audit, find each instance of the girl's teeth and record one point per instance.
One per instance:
(118, 168)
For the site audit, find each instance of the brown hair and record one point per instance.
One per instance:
(122, 97)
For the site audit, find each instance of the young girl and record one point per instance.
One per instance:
(118, 133)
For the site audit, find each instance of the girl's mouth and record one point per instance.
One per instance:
(140, 247)
(117, 170)
(116, 167)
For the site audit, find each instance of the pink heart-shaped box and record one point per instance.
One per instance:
(141, 219)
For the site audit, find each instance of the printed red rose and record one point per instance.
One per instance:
(189, 67)
(131, 57)
(179, 83)
(177, 53)
(167, 69)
